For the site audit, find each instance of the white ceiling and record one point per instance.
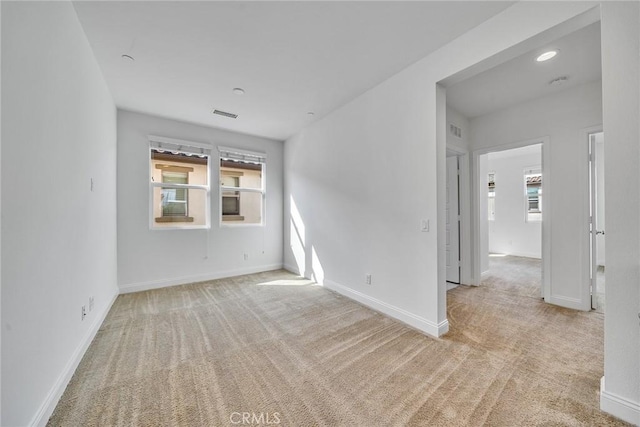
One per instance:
(290, 57)
(522, 78)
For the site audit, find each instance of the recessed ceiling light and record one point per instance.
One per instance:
(238, 91)
(128, 57)
(310, 113)
(547, 56)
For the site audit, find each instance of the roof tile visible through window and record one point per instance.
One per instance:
(534, 179)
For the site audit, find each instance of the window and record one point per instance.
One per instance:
(242, 187)
(533, 194)
(179, 184)
(491, 178)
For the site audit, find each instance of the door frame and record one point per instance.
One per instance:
(586, 135)
(546, 224)
(464, 207)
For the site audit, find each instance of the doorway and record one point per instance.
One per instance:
(452, 227)
(597, 220)
(511, 211)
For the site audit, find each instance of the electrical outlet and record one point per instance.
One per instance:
(84, 312)
(90, 303)
(246, 257)
(367, 279)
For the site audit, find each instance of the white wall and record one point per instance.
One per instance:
(58, 237)
(560, 117)
(154, 258)
(359, 181)
(621, 102)
(509, 233)
(460, 144)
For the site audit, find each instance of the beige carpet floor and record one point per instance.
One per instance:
(278, 347)
(523, 276)
(512, 274)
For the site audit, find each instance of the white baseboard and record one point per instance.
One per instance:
(49, 405)
(619, 407)
(420, 323)
(156, 284)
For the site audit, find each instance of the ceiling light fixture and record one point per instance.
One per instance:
(238, 91)
(128, 57)
(547, 56)
(311, 113)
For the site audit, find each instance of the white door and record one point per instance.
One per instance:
(596, 189)
(453, 222)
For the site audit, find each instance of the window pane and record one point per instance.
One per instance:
(491, 179)
(242, 207)
(179, 168)
(235, 173)
(533, 183)
(175, 207)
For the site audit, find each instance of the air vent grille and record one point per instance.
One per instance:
(455, 130)
(225, 114)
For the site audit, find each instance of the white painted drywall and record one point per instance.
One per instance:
(560, 117)
(621, 102)
(155, 258)
(509, 233)
(0, 221)
(359, 181)
(58, 237)
(460, 144)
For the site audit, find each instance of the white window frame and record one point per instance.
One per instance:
(258, 157)
(533, 170)
(489, 198)
(183, 146)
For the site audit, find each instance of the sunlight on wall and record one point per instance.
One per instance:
(296, 237)
(316, 267)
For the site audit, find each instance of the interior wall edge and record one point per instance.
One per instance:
(54, 395)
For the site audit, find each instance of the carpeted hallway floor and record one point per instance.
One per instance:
(278, 347)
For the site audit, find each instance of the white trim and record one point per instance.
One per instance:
(263, 190)
(49, 405)
(619, 406)
(259, 154)
(464, 199)
(590, 279)
(163, 283)
(164, 140)
(420, 323)
(525, 254)
(154, 184)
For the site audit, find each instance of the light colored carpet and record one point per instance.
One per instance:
(523, 276)
(512, 274)
(272, 343)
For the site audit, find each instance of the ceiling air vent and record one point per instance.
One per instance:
(225, 114)
(455, 130)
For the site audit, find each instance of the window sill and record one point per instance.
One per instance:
(165, 219)
(232, 218)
